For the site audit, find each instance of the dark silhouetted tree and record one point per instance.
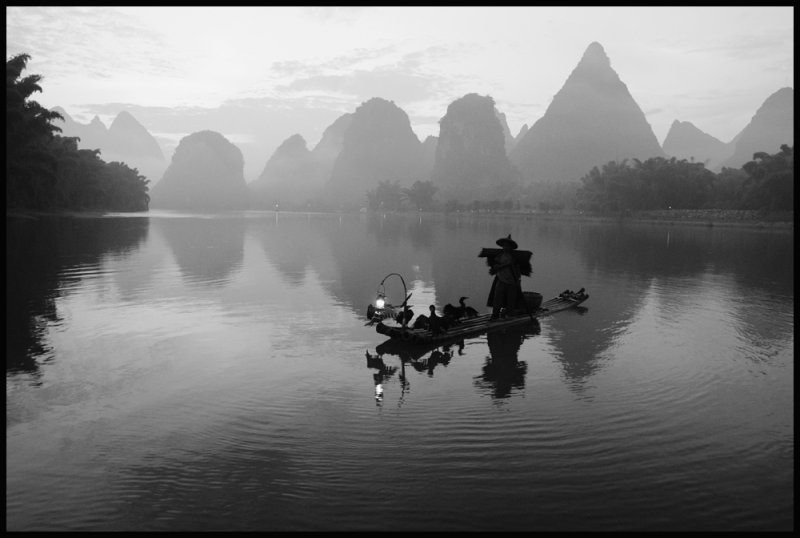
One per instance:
(387, 196)
(30, 165)
(656, 183)
(727, 188)
(48, 171)
(420, 194)
(770, 185)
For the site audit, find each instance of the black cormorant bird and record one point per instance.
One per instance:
(435, 323)
(421, 322)
(465, 311)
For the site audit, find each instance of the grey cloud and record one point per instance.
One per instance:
(291, 67)
(363, 85)
(418, 59)
(343, 80)
(78, 37)
(427, 119)
(747, 47)
(654, 111)
(343, 62)
(328, 102)
(358, 56)
(708, 96)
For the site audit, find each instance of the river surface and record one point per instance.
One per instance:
(210, 372)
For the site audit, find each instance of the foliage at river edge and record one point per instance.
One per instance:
(46, 171)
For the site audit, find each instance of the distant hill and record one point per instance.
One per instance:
(206, 173)
(685, 141)
(772, 126)
(294, 177)
(327, 150)
(378, 145)
(592, 120)
(93, 135)
(288, 178)
(508, 138)
(126, 141)
(128, 137)
(471, 159)
(520, 135)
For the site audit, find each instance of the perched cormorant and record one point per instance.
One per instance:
(465, 311)
(435, 322)
(450, 316)
(421, 322)
(569, 294)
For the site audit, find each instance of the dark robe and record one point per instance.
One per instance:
(523, 260)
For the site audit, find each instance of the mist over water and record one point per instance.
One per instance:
(178, 371)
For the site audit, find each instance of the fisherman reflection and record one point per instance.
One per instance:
(503, 372)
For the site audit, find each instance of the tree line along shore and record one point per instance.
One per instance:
(782, 220)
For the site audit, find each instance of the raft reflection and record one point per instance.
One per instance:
(502, 372)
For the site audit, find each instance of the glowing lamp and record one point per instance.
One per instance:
(380, 301)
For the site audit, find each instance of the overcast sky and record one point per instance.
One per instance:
(296, 69)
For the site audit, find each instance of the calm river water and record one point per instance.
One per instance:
(195, 372)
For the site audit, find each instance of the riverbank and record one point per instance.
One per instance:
(705, 217)
(33, 214)
(698, 217)
(721, 217)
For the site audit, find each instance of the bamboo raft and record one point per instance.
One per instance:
(482, 323)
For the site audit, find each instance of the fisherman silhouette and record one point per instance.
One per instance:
(506, 289)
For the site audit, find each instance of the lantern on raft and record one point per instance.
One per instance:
(382, 309)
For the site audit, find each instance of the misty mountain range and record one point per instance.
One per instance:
(126, 140)
(592, 120)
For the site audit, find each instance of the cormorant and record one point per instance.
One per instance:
(421, 322)
(435, 322)
(465, 311)
(450, 310)
(451, 315)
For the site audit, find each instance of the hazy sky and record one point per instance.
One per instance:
(296, 69)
